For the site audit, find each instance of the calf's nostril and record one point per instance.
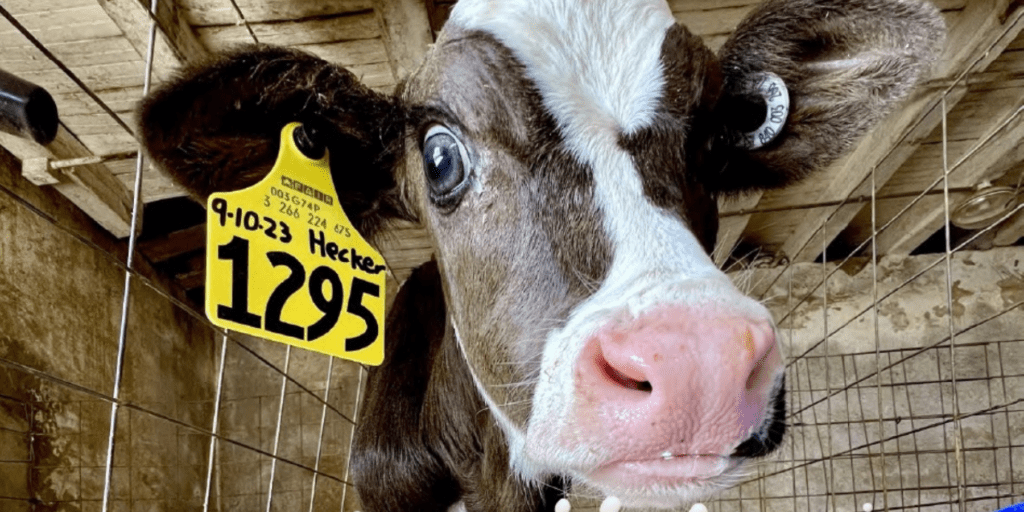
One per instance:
(624, 380)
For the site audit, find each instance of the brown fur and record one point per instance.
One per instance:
(436, 444)
(831, 107)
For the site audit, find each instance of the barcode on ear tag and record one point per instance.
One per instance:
(284, 263)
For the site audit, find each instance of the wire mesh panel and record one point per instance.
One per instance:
(873, 419)
(61, 312)
(905, 376)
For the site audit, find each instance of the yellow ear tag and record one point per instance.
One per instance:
(284, 263)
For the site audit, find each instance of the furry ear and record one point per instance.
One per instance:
(846, 64)
(217, 125)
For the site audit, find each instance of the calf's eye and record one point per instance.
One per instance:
(444, 163)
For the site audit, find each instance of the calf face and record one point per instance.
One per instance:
(566, 158)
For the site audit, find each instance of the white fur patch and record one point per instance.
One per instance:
(597, 65)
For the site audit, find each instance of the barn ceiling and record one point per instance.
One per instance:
(91, 56)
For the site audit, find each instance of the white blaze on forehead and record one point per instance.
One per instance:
(597, 65)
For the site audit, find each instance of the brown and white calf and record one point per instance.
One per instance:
(566, 157)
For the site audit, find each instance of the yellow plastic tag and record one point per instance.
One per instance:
(284, 263)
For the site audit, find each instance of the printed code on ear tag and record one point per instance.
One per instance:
(284, 263)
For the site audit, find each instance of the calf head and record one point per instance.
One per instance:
(566, 158)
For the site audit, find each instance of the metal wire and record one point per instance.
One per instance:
(131, 274)
(78, 388)
(243, 21)
(126, 301)
(215, 428)
(958, 81)
(877, 337)
(320, 439)
(355, 417)
(958, 438)
(277, 429)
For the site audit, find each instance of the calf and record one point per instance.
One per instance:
(565, 157)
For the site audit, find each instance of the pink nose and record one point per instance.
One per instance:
(683, 379)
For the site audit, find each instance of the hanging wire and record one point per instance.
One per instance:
(362, 372)
(829, 486)
(277, 429)
(243, 21)
(215, 428)
(320, 439)
(126, 301)
(958, 439)
(877, 337)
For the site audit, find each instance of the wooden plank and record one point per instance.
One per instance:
(406, 246)
(820, 188)
(175, 42)
(122, 100)
(707, 5)
(993, 155)
(173, 244)
(731, 228)
(350, 53)
(712, 22)
(113, 69)
(156, 185)
(974, 114)
(220, 12)
(407, 32)
(56, 81)
(374, 75)
(107, 50)
(106, 143)
(29, 6)
(94, 25)
(718, 18)
(91, 187)
(980, 31)
(1010, 231)
(291, 33)
(194, 275)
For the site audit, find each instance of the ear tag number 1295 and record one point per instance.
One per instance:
(284, 263)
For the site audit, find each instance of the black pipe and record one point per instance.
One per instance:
(27, 110)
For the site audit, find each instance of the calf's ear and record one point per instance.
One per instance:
(217, 126)
(846, 65)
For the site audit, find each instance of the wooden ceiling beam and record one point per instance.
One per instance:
(174, 244)
(984, 29)
(731, 228)
(405, 25)
(993, 154)
(176, 43)
(406, 28)
(91, 187)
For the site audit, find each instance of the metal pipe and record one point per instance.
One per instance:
(27, 110)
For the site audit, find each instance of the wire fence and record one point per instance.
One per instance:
(886, 409)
